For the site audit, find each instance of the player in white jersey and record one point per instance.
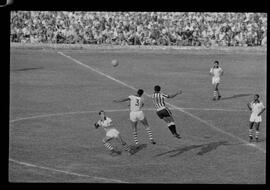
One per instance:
(216, 72)
(257, 108)
(136, 114)
(111, 133)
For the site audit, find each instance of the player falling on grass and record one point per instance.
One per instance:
(257, 108)
(216, 71)
(162, 111)
(136, 114)
(111, 133)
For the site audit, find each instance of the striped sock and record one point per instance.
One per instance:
(108, 146)
(215, 93)
(149, 133)
(135, 137)
(257, 134)
(250, 133)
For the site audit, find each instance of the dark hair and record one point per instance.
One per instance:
(257, 95)
(216, 62)
(99, 113)
(140, 92)
(157, 88)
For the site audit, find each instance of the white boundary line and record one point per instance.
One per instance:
(108, 110)
(67, 172)
(171, 105)
(60, 114)
(215, 109)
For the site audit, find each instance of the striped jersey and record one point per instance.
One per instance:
(159, 100)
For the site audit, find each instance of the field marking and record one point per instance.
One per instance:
(215, 109)
(63, 113)
(67, 172)
(109, 110)
(171, 105)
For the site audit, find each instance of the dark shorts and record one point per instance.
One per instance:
(164, 113)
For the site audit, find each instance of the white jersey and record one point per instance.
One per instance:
(216, 72)
(256, 107)
(135, 103)
(106, 124)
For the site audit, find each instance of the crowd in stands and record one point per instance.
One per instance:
(140, 28)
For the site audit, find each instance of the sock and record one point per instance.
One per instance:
(149, 133)
(108, 146)
(250, 133)
(215, 93)
(135, 137)
(218, 93)
(172, 128)
(257, 134)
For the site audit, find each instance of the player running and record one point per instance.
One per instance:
(136, 114)
(216, 71)
(162, 111)
(257, 108)
(111, 133)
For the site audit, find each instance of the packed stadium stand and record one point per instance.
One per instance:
(140, 28)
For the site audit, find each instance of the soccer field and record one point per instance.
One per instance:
(55, 96)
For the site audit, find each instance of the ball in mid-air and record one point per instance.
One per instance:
(115, 63)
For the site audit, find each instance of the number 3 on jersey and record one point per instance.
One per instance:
(137, 102)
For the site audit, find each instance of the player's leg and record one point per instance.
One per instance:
(257, 126)
(251, 131)
(172, 124)
(214, 88)
(215, 85)
(120, 140)
(217, 90)
(172, 127)
(148, 130)
(135, 133)
(107, 144)
(133, 121)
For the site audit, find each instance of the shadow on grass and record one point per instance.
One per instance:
(28, 69)
(205, 148)
(235, 96)
(137, 148)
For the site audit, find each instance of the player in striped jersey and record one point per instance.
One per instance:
(216, 71)
(162, 111)
(111, 133)
(136, 114)
(257, 108)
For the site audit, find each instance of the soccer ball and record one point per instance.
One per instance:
(115, 63)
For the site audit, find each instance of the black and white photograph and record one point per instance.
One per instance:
(137, 97)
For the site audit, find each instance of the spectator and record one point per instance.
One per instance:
(140, 28)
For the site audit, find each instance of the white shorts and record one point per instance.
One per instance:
(215, 80)
(136, 116)
(255, 118)
(112, 133)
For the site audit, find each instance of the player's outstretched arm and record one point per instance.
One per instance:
(175, 94)
(121, 100)
(211, 71)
